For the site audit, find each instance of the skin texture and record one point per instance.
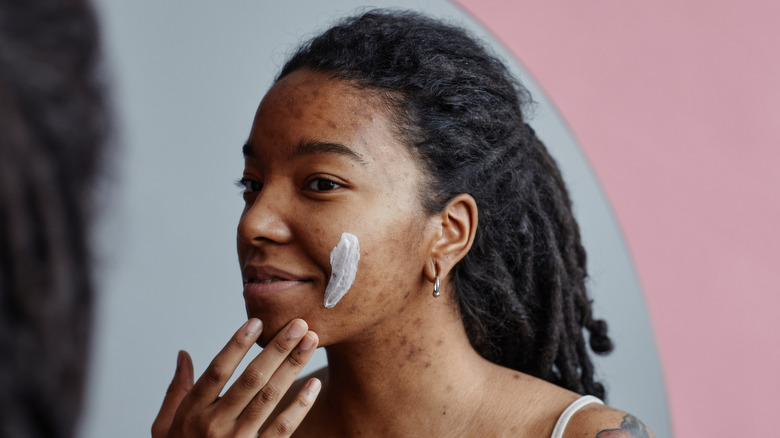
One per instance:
(323, 157)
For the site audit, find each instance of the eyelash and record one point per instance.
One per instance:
(246, 185)
(315, 182)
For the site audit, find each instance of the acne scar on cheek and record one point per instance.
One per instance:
(343, 261)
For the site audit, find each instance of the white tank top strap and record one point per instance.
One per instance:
(569, 412)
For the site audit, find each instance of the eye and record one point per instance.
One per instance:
(322, 185)
(249, 186)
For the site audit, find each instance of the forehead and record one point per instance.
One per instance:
(307, 106)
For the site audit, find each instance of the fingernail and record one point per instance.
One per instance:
(253, 326)
(313, 387)
(307, 343)
(297, 329)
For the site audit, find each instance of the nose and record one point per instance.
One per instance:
(265, 220)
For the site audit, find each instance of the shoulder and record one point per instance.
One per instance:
(601, 421)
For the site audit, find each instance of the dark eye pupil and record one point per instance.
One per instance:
(324, 184)
(252, 186)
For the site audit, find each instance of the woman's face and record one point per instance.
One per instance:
(322, 159)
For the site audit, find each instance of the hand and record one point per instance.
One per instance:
(243, 411)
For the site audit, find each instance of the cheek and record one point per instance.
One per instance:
(390, 266)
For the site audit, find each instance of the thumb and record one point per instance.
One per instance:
(181, 384)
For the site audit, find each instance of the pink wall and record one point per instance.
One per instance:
(675, 104)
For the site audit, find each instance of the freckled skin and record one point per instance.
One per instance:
(286, 226)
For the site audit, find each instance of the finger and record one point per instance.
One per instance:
(206, 390)
(257, 374)
(179, 387)
(288, 420)
(263, 404)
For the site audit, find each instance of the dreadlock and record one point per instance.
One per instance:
(521, 289)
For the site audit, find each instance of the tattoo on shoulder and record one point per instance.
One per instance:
(630, 427)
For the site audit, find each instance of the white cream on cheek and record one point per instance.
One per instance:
(343, 261)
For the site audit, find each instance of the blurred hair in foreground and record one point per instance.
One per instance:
(53, 127)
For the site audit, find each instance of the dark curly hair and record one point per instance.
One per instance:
(53, 125)
(521, 289)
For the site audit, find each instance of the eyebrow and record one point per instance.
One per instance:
(310, 147)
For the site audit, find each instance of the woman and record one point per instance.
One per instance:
(468, 306)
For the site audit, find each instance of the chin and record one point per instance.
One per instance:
(331, 325)
(275, 318)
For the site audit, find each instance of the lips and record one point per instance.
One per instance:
(264, 281)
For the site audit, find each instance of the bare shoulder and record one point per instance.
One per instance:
(601, 421)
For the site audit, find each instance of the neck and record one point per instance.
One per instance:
(422, 364)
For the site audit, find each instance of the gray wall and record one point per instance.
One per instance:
(187, 78)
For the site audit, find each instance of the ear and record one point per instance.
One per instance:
(458, 225)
